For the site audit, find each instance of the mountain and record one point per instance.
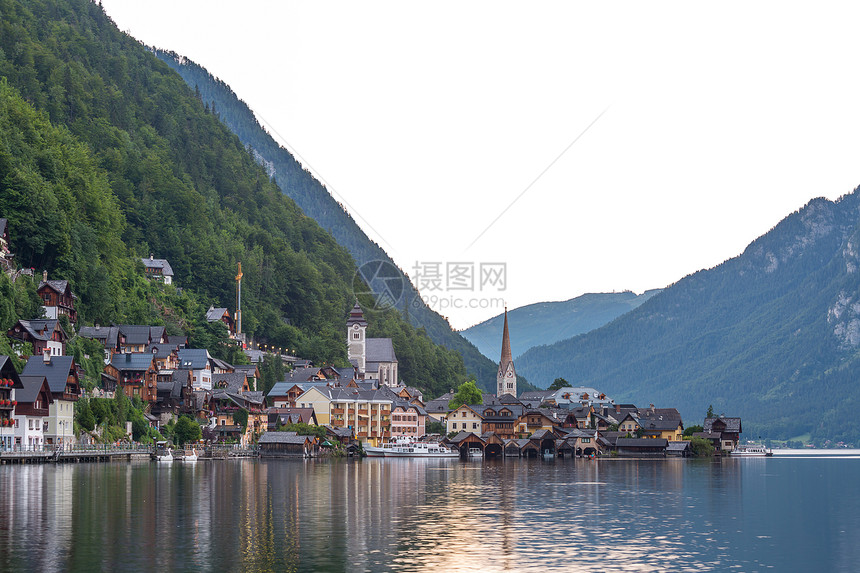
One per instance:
(771, 335)
(316, 202)
(107, 156)
(548, 322)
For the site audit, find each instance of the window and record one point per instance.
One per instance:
(454, 426)
(355, 336)
(474, 425)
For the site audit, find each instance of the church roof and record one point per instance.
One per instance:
(356, 316)
(380, 350)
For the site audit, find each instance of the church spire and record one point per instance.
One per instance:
(506, 380)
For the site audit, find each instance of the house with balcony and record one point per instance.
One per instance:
(57, 298)
(407, 420)
(10, 382)
(157, 269)
(134, 374)
(231, 394)
(367, 412)
(34, 400)
(62, 375)
(501, 420)
(46, 336)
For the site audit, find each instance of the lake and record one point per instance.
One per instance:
(797, 511)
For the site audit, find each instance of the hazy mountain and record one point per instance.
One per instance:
(548, 322)
(315, 200)
(771, 335)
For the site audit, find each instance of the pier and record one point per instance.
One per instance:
(74, 454)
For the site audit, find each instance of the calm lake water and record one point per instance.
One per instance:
(796, 512)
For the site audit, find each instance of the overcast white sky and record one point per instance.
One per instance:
(429, 120)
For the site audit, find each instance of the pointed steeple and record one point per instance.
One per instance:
(506, 379)
(506, 343)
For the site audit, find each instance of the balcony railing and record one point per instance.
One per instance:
(337, 410)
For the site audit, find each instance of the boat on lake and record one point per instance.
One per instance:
(162, 453)
(751, 450)
(405, 448)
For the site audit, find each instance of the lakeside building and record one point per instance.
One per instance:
(62, 376)
(57, 298)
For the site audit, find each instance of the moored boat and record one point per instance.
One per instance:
(405, 448)
(162, 453)
(750, 450)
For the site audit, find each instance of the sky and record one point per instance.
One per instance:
(577, 146)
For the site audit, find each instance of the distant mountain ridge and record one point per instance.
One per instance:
(316, 202)
(772, 335)
(549, 322)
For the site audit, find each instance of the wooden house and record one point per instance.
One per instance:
(62, 375)
(57, 298)
(46, 336)
(286, 445)
(135, 374)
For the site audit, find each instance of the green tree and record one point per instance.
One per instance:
(710, 413)
(690, 430)
(702, 447)
(467, 393)
(303, 429)
(186, 430)
(240, 417)
(84, 415)
(435, 428)
(558, 384)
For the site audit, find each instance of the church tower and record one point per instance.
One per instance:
(506, 380)
(356, 338)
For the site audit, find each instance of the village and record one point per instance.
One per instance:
(366, 404)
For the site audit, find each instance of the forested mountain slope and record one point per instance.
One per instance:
(771, 335)
(315, 200)
(106, 156)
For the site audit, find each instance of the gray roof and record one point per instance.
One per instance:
(380, 350)
(108, 335)
(139, 334)
(152, 263)
(214, 314)
(56, 371)
(283, 438)
(40, 329)
(30, 391)
(658, 425)
(179, 340)
(536, 394)
(678, 446)
(250, 370)
(733, 425)
(59, 286)
(641, 442)
(193, 358)
(160, 350)
(136, 361)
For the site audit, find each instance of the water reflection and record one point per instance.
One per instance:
(416, 515)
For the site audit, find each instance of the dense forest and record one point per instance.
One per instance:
(315, 200)
(106, 156)
(772, 335)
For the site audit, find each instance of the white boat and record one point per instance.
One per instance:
(189, 456)
(476, 453)
(162, 453)
(406, 448)
(751, 451)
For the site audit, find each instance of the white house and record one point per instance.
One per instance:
(32, 411)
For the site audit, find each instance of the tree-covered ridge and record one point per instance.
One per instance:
(317, 202)
(107, 156)
(770, 335)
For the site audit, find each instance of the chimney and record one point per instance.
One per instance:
(46, 355)
(150, 257)
(652, 408)
(45, 276)
(617, 408)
